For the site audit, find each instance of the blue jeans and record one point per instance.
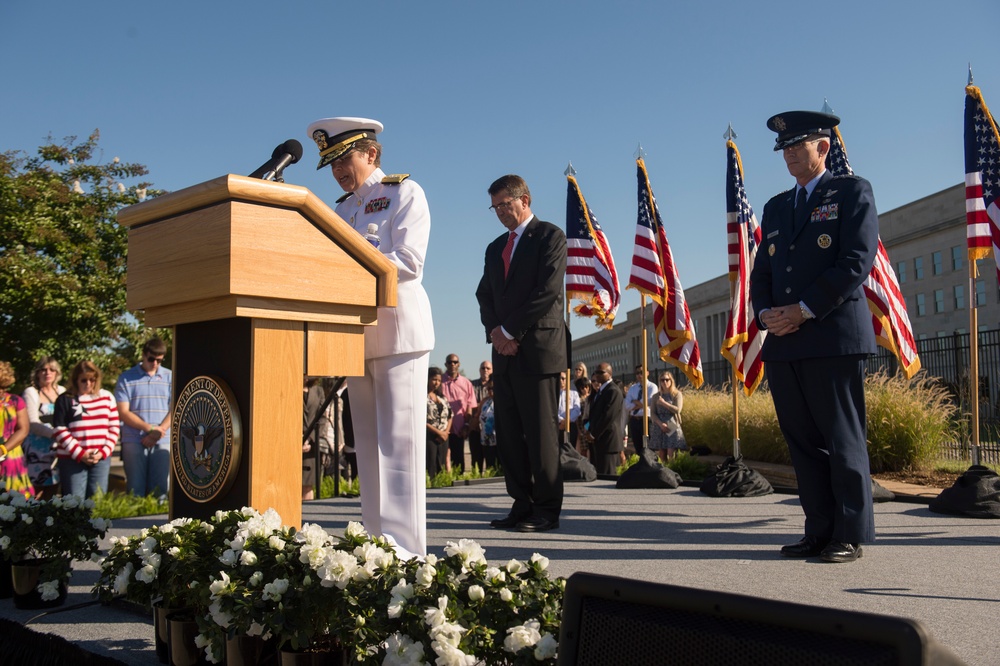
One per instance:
(146, 470)
(83, 480)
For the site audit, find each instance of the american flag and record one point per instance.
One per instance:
(744, 339)
(982, 178)
(654, 274)
(885, 299)
(590, 269)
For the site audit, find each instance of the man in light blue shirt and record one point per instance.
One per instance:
(145, 408)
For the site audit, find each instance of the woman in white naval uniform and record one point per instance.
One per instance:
(388, 404)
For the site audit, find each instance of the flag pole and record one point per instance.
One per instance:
(570, 171)
(729, 136)
(736, 392)
(645, 373)
(974, 361)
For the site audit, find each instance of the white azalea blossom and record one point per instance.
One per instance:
(476, 593)
(546, 647)
(255, 578)
(276, 542)
(401, 650)
(468, 551)
(355, 529)
(228, 558)
(122, 579)
(219, 585)
(522, 636)
(248, 558)
(50, 521)
(49, 590)
(146, 574)
(338, 569)
(425, 574)
(515, 567)
(541, 560)
(4, 542)
(274, 590)
(449, 655)
(506, 594)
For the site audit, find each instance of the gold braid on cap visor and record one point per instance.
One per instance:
(343, 145)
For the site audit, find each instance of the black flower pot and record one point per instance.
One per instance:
(25, 576)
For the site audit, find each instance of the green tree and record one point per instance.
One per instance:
(62, 257)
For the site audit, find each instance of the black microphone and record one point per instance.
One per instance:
(284, 154)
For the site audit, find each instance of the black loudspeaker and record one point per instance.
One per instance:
(608, 620)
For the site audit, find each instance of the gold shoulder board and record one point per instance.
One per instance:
(395, 178)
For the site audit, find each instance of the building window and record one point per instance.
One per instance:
(957, 254)
(980, 292)
(901, 271)
(918, 268)
(921, 306)
(959, 297)
(938, 301)
(942, 334)
(937, 263)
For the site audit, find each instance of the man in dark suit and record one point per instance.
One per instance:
(521, 305)
(606, 422)
(819, 242)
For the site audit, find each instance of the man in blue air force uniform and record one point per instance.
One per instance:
(819, 242)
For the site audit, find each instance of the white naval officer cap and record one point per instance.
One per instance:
(335, 136)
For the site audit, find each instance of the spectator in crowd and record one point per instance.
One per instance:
(461, 397)
(606, 422)
(666, 435)
(574, 409)
(144, 406)
(475, 434)
(580, 372)
(583, 438)
(634, 408)
(312, 402)
(487, 426)
(39, 448)
(14, 427)
(439, 418)
(86, 425)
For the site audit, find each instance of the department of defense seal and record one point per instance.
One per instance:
(206, 439)
(824, 241)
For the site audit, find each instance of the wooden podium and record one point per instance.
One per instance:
(263, 284)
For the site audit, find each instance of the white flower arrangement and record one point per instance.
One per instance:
(55, 531)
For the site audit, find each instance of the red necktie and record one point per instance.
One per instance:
(507, 251)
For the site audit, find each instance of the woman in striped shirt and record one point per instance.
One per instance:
(86, 428)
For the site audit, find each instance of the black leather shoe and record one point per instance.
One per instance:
(507, 523)
(841, 552)
(536, 524)
(808, 546)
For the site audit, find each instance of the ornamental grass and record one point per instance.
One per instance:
(907, 421)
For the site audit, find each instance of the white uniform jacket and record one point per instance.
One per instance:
(404, 225)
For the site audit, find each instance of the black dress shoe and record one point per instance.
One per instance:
(841, 552)
(507, 523)
(537, 524)
(808, 546)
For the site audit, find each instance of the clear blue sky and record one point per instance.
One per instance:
(469, 91)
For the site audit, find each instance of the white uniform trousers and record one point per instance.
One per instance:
(389, 411)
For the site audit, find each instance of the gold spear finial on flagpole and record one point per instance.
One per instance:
(640, 154)
(730, 133)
